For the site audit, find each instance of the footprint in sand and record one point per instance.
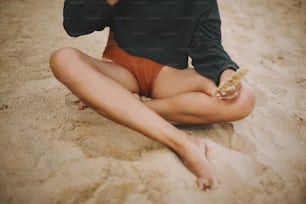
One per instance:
(233, 139)
(99, 137)
(242, 144)
(225, 134)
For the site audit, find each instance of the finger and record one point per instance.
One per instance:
(230, 93)
(230, 97)
(225, 95)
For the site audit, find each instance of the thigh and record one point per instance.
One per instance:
(113, 71)
(171, 81)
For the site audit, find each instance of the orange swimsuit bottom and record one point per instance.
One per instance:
(144, 70)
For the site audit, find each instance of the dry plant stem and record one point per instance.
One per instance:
(232, 81)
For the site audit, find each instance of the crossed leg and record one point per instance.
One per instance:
(108, 89)
(184, 96)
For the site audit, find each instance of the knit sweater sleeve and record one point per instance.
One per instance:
(82, 17)
(206, 51)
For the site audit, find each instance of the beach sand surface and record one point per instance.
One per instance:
(52, 153)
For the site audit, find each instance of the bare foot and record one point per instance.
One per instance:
(195, 159)
(82, 105)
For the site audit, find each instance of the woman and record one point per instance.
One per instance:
(147, 55)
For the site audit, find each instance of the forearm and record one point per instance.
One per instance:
(208, 55)
(84, 17)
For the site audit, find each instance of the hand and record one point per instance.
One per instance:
(112, 2)
(232, 92)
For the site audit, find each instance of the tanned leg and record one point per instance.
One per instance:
(184, 96)
(110, 96)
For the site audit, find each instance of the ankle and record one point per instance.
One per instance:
(183, 145)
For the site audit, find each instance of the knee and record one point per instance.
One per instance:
(243, 107)
(61, 62)
(248, 104)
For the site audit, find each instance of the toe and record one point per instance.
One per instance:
(214, 184)
(82, 106)
(203, 183)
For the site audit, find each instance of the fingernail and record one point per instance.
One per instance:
(223, 93)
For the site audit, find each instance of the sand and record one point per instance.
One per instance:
(52, 153)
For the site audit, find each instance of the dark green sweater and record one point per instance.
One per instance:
(166, 31)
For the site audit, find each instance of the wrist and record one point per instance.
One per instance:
(226, 73)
